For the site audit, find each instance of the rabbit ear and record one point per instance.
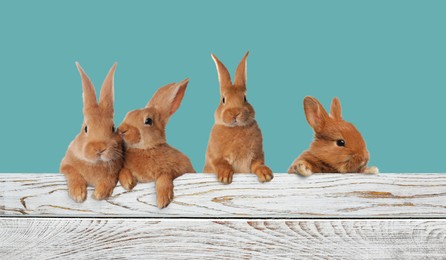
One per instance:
(167, 99)
(335, 109)
(315, 113)
(106, 98)
(223, 74)
(241, 72)
(88, 92)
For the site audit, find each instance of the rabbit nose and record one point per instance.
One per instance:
(100, 148)
(122, 132)
(366, 155)
(122, 129)
(99, 152)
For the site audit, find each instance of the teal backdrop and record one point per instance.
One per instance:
(385, 60)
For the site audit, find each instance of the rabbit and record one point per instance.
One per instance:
(95, 156)
(338, 146)
(235, 143)
(147, 155)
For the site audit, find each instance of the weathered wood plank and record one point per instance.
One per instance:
(46, 238)
(200, 195)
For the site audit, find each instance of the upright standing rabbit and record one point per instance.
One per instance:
(95, 156)
(235, 143)
(338, 147)
(148, 157)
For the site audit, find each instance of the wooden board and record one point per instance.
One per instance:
(200, 195)
(330, 216)
(46, 238)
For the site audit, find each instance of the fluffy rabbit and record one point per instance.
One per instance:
(95, 156)
(235, 143)
(147, 155)
(338, 146)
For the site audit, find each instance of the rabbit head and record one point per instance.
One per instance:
(97, 140)
(146, 127)
(337, 142)
(234, 108)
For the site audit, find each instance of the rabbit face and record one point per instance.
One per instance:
(97, 140)
(234, 108)
(338, 144)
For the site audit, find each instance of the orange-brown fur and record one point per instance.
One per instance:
(95, 157)
(148, 157)
(325, 155)
(235, 143)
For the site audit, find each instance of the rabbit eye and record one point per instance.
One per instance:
(113, 129)
(148, 121)
(340, 142)
(223, 100)
(86, 129)
(245, 99)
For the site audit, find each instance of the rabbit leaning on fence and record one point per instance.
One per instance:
(235, 143)
(338, 147)
(148, 157)
(95, 156)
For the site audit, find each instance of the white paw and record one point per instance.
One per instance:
(371, 170)
(300, 168)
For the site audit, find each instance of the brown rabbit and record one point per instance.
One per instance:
(235, 143)
(148, 157)
(338, 146)
(95, 156)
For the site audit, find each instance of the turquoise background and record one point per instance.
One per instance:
(385, 60)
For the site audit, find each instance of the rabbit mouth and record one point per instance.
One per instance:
(238, 122)
(105, 156)
(97, 159)
(362, 165)
(236, 117)
(354, 165)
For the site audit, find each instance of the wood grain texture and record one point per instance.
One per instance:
(200, 195)
(46, 238)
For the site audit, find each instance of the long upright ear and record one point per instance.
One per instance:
(88, 92)
(315, 113)
(223, 74)
(241, 72)
(167, 99)
(106, 98)
(335, 109)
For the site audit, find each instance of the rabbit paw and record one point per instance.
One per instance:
(264, 173)
(78, 192)
(371, 170)
(127, 180)
(300, 167)
(225, 175)
(164, 198)
(102, 192)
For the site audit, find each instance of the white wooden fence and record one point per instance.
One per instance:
(325, 216)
